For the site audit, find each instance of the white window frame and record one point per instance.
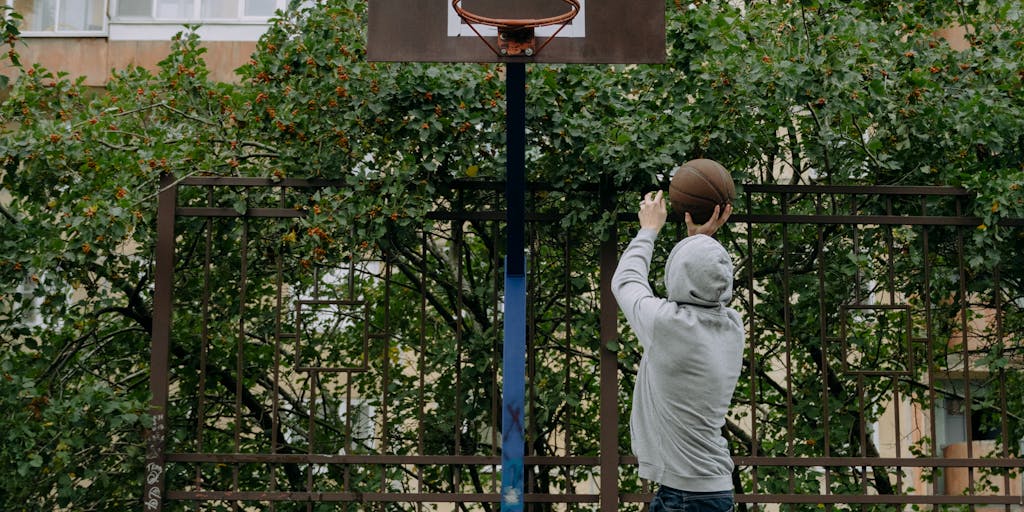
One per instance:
(363, 423)
(116, 28)
(151, 28)
(196, 16)
(163, 31)
(102, 32)
(364, 428)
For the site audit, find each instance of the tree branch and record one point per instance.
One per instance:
(8, 215)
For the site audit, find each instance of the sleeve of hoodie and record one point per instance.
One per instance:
(632, 289)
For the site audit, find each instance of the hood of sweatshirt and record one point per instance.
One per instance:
(699, 271)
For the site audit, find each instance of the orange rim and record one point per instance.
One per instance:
(561, 19)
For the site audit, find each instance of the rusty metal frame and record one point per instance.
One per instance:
(612, 457)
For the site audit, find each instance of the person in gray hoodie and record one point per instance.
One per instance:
(692, 357)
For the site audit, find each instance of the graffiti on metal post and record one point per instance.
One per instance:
(155, 467)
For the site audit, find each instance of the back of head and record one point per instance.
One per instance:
(699, 271)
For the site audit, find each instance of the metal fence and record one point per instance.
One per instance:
(300, 368)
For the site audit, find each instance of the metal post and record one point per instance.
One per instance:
(514, 348)
(609, 333)
(152, 497)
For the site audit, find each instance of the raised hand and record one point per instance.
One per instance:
(711, 226)
(653, 211)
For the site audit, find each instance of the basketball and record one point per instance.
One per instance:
(698, 186)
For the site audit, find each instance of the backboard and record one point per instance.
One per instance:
(603, 31)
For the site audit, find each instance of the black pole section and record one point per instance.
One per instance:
(515, 171)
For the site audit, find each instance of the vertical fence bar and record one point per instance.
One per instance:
(459, 333)
(349, 438)
(495, 421)
(204, 339)
(533, 265)
(386, 378)
(240, 354)
(422, 363)
(891, 285)
(863, 436)
(567, 347)
(826, 421)
(163, 285)
(310, 431)
(275, 397)
(965, 351)
(1004, 425)
(787, 333)
(858, 300)
(609, 389)
(929, 344)
(857, 276)
(755, 450)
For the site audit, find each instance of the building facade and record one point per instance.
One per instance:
(89, 38)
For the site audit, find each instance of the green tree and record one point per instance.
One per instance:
(801, 92)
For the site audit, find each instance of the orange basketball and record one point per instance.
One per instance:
(698, 186)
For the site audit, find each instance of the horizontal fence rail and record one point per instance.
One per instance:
(294, 363)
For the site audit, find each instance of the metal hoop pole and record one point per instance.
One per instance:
(513, 386)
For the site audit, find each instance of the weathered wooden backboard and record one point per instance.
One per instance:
(604, 31)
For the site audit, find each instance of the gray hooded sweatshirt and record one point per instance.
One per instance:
(692, 357)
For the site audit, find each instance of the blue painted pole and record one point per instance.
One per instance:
(514, 347)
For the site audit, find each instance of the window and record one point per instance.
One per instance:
(953, 415)
(359, 424)
(197, 9)
(218, 20)
(985, 423)
(61, 17)
(358, 428)
(25, 311)
(146, 20)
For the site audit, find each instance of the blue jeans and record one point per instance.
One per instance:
(668, 499)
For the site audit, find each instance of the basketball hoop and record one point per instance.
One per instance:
(516, 36)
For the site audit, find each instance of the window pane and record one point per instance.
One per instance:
(39, 15)
(135, 8)
(81, 15)
(220, 9)
(174, 9)
(262, 8)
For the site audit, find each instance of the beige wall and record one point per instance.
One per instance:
(955, 36)
(94, 58)
(959, 480)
